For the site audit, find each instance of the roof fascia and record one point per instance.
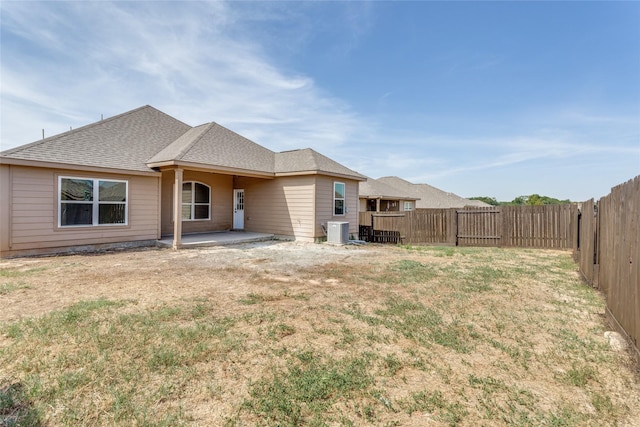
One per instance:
(172, 164)
(337, 175)
(67, 166)
(388, 197)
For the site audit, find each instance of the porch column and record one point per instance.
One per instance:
(378, 205)
(177, 209)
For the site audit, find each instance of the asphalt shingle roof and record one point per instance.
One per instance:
(430, 197)
(308, 160)
(124, 141)
(215, 145)
(373, 189)
(146, 137)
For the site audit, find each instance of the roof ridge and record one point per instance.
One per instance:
(311, 151)
(84, 127)
(190, 145)
(308, 160)
(314, 157)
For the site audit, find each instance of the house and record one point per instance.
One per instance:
(376, 196)
(124, 180)
(429, 197)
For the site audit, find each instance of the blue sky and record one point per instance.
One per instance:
(495, 99)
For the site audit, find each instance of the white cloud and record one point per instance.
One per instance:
(97, 58)
(66, 63)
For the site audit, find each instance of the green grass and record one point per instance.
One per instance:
(90, 345)
(581, 374)
(16, 408)
(306, 388)
(482, 337)
(13, 273)
(433, 402)
(7, 288)
(10, 286)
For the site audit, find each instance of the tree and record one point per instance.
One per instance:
(537, 200)
(531, 200)
(520, 200)
(488, 200)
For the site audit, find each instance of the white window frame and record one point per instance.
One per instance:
(193, 203)
(344, 199)
(408, 206)
(95, 203)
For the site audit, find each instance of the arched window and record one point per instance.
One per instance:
(196, 201)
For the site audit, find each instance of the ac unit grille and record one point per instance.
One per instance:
(338, 232)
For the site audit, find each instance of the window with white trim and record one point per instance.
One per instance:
(196, 201)
(87, 202)
(408, 206)
(338, 198)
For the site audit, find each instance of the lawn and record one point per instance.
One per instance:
(288, 334)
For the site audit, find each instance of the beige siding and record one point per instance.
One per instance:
(221, 202)
(296, 206)
(324, 203)
(282, 206)
(33, 221)
(5, 191)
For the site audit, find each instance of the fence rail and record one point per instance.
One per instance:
(549, 226)
(609, 254)
(604, 237)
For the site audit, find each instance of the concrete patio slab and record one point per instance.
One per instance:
(219, 238)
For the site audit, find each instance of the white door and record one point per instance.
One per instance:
(238, 209)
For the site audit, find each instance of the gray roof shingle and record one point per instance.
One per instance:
(430, 197)
(214, 145)
(144, 138)
(124, 142)
(374, 189)
(308, 160)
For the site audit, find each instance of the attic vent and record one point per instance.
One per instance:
(338, 232)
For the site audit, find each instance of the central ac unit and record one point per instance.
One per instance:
(338, 232)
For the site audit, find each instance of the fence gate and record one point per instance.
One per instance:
(478, 226)
(383, 228)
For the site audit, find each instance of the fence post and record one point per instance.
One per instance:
(453, 215)
(372, 225)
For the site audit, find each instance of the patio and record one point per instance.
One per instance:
(218, 238)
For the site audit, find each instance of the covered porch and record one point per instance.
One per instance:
(216, 238)
(209, 203)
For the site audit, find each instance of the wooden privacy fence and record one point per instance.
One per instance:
(609, 254)
(585, 253)
(604, 237)
(548, 226)
(433, 226)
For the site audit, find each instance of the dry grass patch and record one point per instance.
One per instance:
(342, 336)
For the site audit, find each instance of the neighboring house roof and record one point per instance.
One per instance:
(375, 189)
(430, 197)
(310, 161)
(124, 141)
(478, 203)
(146, 138)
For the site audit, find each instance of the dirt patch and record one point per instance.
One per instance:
(156, 276)
(443, 336)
